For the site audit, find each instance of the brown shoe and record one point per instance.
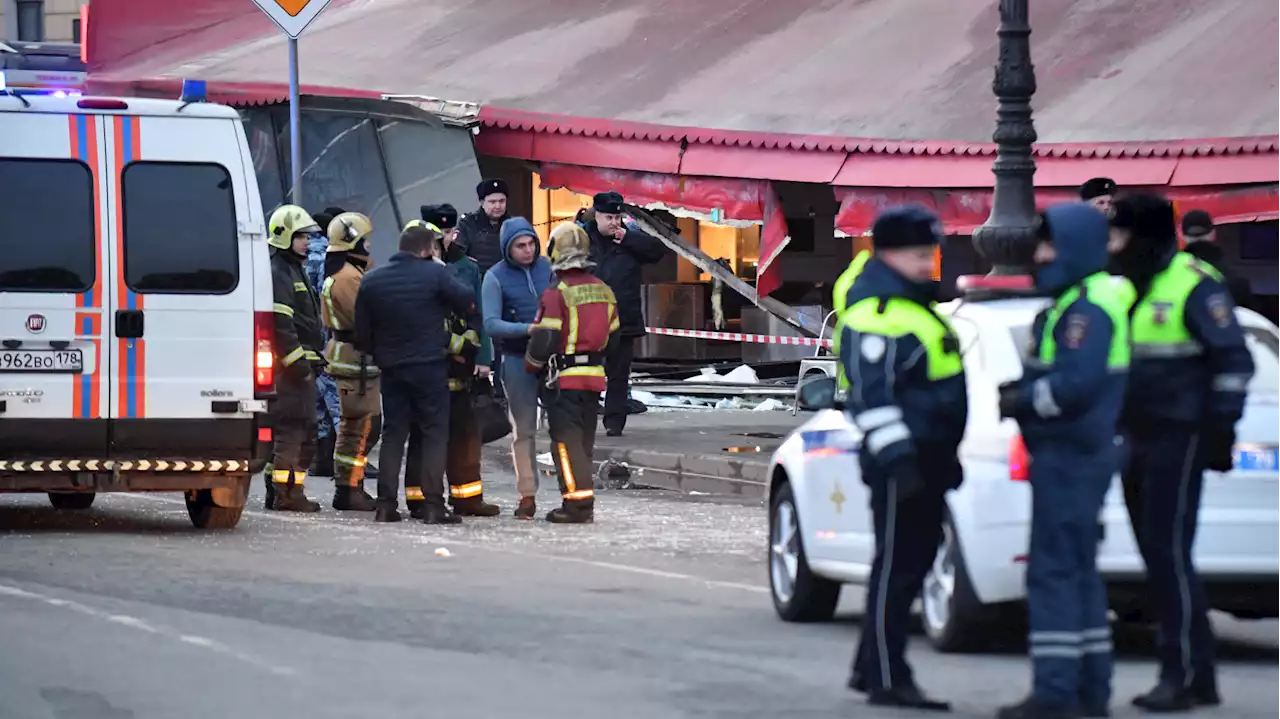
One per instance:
(475, 507)
(527, 509)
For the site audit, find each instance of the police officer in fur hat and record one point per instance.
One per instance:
(478, 232)
(1101, 193)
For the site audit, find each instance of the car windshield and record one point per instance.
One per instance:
(1262, 345)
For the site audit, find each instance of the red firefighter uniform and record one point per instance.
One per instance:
(576, 318)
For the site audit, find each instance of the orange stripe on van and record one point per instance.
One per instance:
(132, 357)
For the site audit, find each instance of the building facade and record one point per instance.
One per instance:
(41, 20)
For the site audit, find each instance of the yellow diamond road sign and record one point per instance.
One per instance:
(292, 16)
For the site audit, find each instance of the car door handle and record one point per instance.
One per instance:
(129, 324)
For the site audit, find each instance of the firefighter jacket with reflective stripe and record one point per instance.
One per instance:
(1191, 365)
(338, 310)
(464, 348)
(1076, 370)
(296, 308)
(902, 360)
(576, 318)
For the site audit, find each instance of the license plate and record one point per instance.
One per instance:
(1257, 459)
(71, 361)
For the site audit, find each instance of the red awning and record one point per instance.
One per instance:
(738, 199)
(963, 210)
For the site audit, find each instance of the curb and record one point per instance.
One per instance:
(708, 474)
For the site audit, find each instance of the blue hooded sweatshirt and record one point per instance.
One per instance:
(511, 291)
(1073, 405)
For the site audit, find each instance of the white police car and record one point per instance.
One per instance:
(820, 525)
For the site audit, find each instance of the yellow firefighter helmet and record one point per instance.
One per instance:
(346, 230)
(570, 248)
(287, 221)
(421, 224)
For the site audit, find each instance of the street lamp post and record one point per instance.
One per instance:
(1007, 239)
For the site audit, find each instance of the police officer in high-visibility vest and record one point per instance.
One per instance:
(356, 376)
(906, 392)
(1191, 369)
(1067, 404)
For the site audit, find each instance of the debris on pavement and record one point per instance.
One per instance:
(443, 552)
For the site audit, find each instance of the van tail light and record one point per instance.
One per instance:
(1019, 460)
(264, 355)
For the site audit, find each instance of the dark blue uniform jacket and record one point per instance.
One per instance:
(1075, 403)
(1207, 390)
(401, 308)
(892, 372)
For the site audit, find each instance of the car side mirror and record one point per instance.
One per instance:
(817, 393)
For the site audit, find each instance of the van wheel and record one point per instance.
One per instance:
(952, 616)
(798, 594)
(207, 515)
(71, 500)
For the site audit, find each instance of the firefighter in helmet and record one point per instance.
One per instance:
(298, 341)
(359, 401)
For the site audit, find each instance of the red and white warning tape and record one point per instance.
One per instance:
(740, 337)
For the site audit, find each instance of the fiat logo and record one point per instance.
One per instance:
(35, 324)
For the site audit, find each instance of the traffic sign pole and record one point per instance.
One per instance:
(293, 16)
(295, 126)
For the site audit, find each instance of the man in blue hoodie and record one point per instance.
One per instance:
(511, 292)
(1068, 404)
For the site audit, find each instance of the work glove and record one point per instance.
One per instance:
(1218, 443)
(300, 370)
(1009, 392)
(906, 478)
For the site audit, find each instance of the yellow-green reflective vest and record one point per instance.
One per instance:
(1113, 295)
(903, 317)
(839, 302)
(1159, 331)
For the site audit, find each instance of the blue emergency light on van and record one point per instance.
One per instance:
(194, 91)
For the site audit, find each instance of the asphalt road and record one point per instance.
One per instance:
(657, 611)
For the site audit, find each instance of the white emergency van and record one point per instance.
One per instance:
(135, 302)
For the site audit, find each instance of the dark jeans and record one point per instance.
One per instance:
(414, 398)
(617, 371)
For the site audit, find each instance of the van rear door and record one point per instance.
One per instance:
(184, 325)
(54, 294)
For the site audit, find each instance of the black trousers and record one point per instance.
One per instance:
(907, 534)
(462, 452)
(414, 398)
(294, 414)
(617, 371)
(1163, 478)
(571, 415)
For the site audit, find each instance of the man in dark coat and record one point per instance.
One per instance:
(1198, 231)
(618, 252)
(478, 232)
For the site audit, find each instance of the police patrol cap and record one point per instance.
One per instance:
(491, 186)
(443, 216)
(610, 203)
(905, 226)
(1097, 187)
(1197, 223)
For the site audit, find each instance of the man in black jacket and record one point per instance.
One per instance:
(618, 252)
(478, 232)
(1198, 231)
(400, 320)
